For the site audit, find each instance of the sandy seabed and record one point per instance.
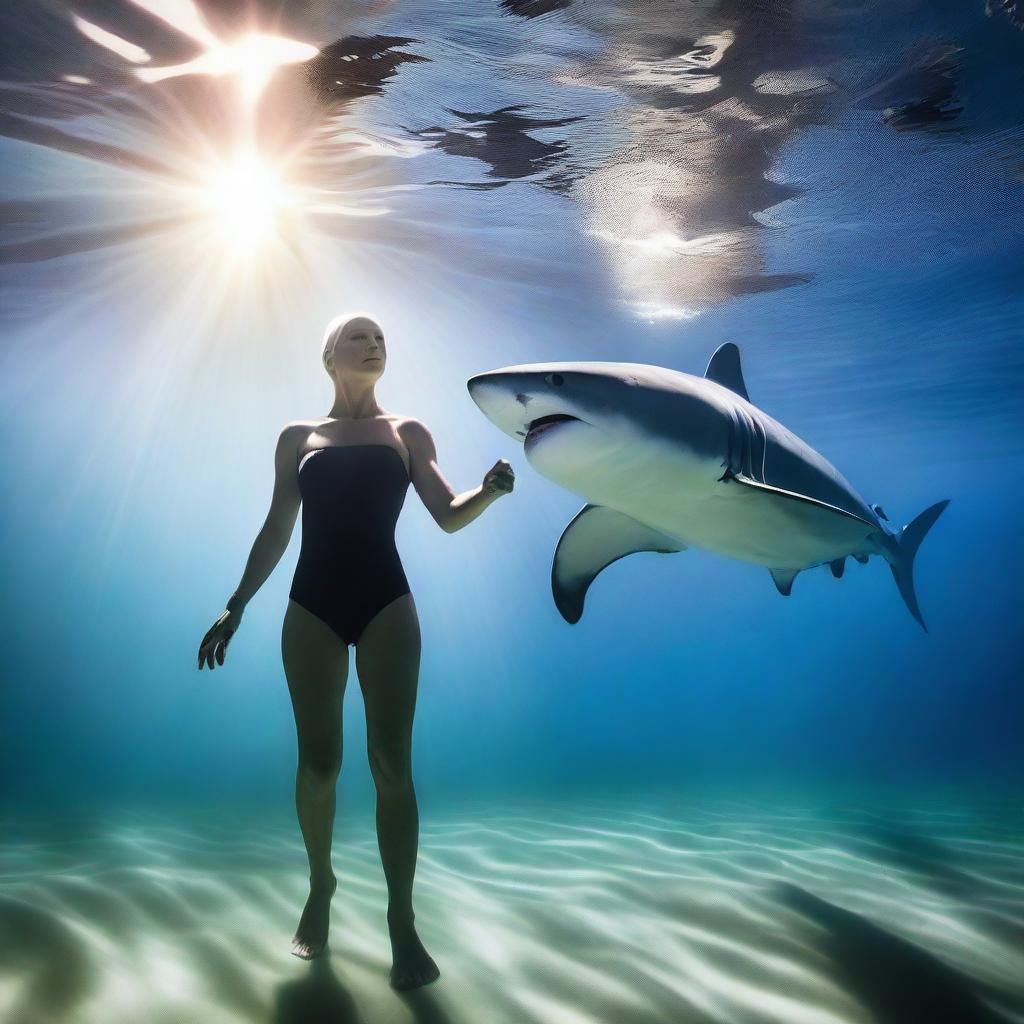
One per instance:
(540, 914)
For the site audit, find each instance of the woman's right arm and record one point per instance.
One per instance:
(268, 547)
(276, 531)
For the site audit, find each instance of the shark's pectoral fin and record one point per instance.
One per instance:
(783, 579)
(724, 368)
(780, 492)
(596, 537)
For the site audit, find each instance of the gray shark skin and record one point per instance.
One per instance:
(667, 460)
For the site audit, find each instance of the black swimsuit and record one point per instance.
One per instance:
(348, 567)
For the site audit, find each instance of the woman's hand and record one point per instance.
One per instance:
(215, 643)
(499, 479)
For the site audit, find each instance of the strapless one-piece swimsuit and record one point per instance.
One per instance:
(348, 567)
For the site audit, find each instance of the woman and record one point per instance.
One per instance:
(351, 470)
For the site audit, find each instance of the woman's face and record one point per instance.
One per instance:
(359, 351)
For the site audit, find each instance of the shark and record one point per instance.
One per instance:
(667, 460)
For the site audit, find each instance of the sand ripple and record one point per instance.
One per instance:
(680, 914)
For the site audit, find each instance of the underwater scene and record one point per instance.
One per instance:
(666, 670)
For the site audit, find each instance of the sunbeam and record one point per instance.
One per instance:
(208, 173)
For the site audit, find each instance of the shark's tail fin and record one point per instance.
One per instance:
(901, 560)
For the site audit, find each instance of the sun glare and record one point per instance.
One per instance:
(252, 61)
(246, 198)
(247, 211)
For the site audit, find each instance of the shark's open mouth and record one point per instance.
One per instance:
(544, 423)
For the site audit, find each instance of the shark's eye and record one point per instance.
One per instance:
(556, 380)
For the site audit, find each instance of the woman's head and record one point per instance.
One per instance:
(354, 347)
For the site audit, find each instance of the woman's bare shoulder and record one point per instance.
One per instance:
(297, 427)
(412, 431)
(294, 433)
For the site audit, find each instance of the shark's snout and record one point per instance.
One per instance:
(520, 400)
(502, 400)
(476, 384)
(487, 389)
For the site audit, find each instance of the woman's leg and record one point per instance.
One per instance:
(316, 666)
(387, 663)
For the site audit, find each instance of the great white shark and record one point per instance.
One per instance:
(668, 460)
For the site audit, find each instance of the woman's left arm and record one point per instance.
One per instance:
(451, 511)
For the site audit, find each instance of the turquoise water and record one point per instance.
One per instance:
(702, 802)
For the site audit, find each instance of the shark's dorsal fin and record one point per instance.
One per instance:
(783, 579)
(596, 537)
(724, 368)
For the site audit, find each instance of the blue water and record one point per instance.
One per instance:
(838, 189)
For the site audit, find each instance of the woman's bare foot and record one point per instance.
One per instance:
(413, 965)
(311, 935)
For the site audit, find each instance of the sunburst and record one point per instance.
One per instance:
(245, 199)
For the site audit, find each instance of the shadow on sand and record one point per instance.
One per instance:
(319, 997)
(897, 981)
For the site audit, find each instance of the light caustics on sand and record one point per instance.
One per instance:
(601, 913)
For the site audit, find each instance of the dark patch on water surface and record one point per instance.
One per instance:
(39, 42)
(922, 94)
(501, 138)
(357, 66)
(1013, 9)
(751, 284)
(534, 8)
(66, 243)
(14, 127)
(898, 982)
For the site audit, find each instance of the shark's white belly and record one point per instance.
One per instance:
(674, 491)
(754, 527)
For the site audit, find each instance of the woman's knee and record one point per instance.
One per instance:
(319, 771)
(390, 766)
